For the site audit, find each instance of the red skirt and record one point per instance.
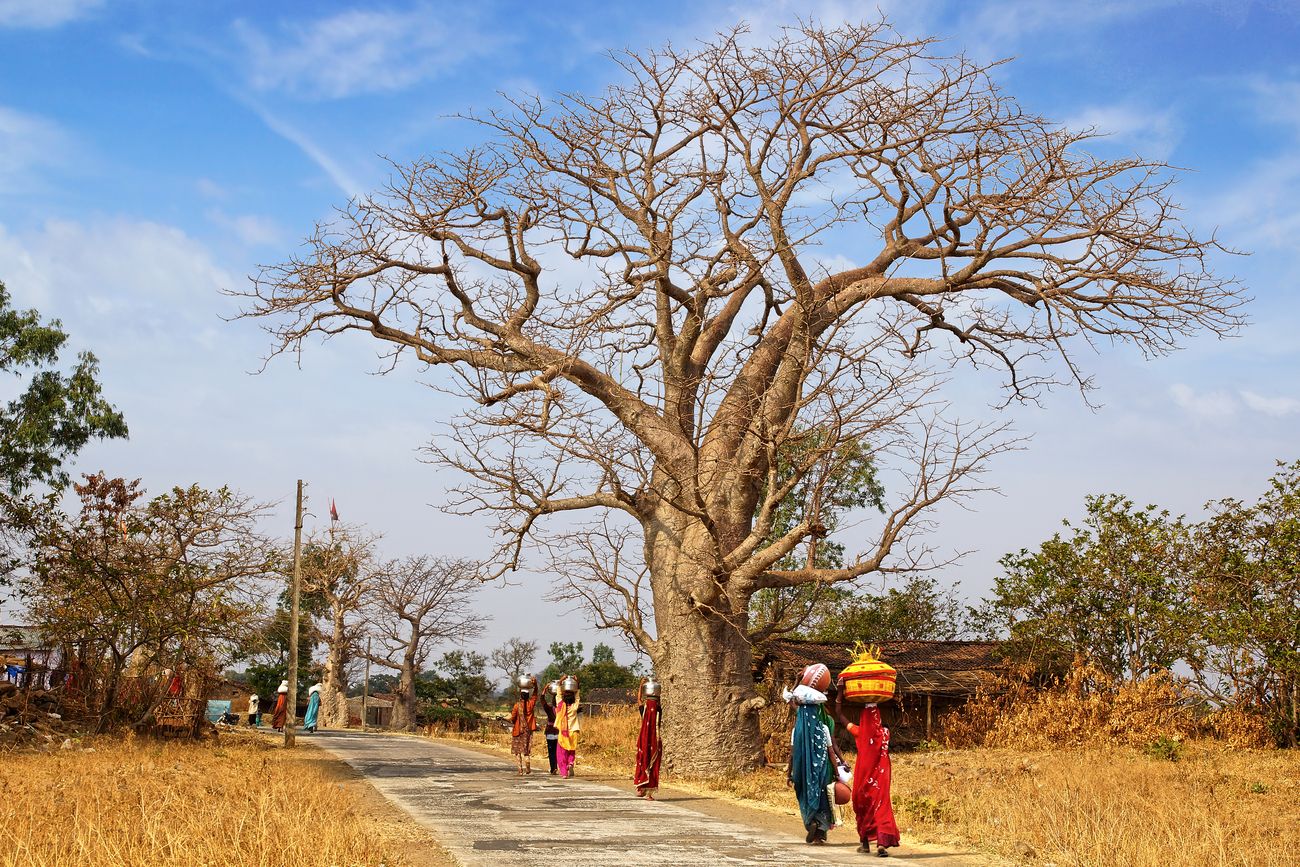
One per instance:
(871, 778)
(649, 749)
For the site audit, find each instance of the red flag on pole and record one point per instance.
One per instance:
(334, 511)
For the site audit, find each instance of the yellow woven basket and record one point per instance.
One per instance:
(867, 680)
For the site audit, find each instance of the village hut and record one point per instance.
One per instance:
(599, 700)
(379, 711)
(934, 677)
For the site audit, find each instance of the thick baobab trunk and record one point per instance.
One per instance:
(404, 706)
(702, 656)
(333, 690)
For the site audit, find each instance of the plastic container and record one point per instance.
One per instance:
(867, 680)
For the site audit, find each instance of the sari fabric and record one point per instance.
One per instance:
(313, 709)
(871, 779)
(649, 748)
(810, 767)
(281, 711)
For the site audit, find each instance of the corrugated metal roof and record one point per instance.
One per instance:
(955, 668)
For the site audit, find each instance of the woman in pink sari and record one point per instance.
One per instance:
(566, 720)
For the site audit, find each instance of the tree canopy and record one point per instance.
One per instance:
(633, 291)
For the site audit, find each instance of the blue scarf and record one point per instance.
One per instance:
(811, 767)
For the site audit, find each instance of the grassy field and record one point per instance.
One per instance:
(1072, 807)
(123, 803)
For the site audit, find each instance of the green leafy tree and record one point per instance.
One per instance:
(606, 671)
(845, 480)
(919, 610)
(566, 658)
(53, 415)
(457, 679)
(1247, 593)
(1110, 590)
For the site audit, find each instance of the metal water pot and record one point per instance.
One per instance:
(525, 683)
(569, 684)
(652, 688)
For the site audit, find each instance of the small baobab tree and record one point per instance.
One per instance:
(416, 604)
(742, 251)
(338, 567)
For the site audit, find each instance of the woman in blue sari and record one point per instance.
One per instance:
(313, 708)
(811, 771)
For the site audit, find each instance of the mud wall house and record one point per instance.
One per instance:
(26, 659)
(934, 677)
(379, 711)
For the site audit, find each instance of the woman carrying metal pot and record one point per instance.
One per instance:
(649, 748)
(549, 696)
(568, 725)
(523, 722)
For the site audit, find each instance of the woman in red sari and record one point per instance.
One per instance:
(871, 779)
(649, 748)
(281, 714)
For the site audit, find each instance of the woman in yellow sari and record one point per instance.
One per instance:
(569, 725)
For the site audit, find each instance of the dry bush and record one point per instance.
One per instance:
(1087, 707)
(137, 803)
(1107, 806)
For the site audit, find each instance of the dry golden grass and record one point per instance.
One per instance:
(1077, 806)
(135, 802)
(1091, 709)
(1108, 806)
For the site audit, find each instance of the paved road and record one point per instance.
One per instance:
(486, 815)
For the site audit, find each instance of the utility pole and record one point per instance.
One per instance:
(365, 690)
(292, 717)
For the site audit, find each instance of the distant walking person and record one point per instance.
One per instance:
(281, 706)
(812, 766)
(568, 724)
(253, 703)
(313, 708)
(552, 733)
(523, 722)
(649, 748)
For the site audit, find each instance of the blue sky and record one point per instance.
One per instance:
(153, 153)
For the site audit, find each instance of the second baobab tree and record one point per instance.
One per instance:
(734, 253)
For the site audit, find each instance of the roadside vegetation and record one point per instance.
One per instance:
(1061, 792)
(134, 802)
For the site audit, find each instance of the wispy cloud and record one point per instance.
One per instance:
(1278, 407)
(254, 230)
(1206, 405)
(363, 51)
(42, 14)
(313, 151)
(1153, 133)
(27, 143)
(115, 280)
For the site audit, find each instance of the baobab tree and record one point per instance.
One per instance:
(739, 252)
(415, 604)
(338, 566)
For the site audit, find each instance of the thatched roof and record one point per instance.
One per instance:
(939, 668)
(609, 696)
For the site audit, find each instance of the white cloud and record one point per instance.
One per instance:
(1278, 407)
(1209, 405)
(28, 142)
(120, 284)
(38, 14)
(362, 51)
(1149, 132)
(254, 230)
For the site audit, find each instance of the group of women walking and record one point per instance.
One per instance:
(821, 777)
(560, 702)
